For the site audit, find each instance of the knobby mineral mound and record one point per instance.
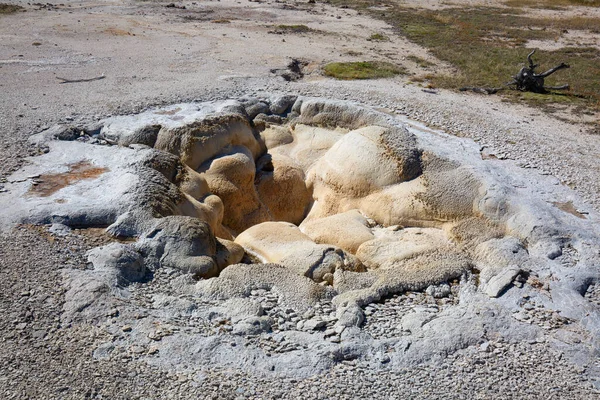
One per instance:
(307, 202)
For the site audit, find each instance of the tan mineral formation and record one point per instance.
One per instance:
(310, 199)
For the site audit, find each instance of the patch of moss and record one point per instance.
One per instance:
(362, 70)
(378, 37)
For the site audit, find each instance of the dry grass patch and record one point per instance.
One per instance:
(552, 4)
(378, 37)
(292, 29)
(421, 62)
(10, 8)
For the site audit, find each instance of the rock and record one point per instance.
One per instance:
(275, 136)
(418, 210)
(284, 243)
(91, 292)
(394, 247)
(349, 350)
(297, 106)
(259, 107)
(228, 253)
(283, 104)
(313, 325)
(145, 135)
(120, 259)
(262, 120)
(82, 176)
(350, 316)
(252, 326)
(439, 291)
(336, 114)
(494, 255)
(238, 309)
(184, 243)
(345, 230)
(68, 133)
(498, 283)
(59, 229)
(344, 281)
(230, 176)
(387, 157)
(309, 144)
(549, 249)
(414, 273)
(383, 358)
(413, 322)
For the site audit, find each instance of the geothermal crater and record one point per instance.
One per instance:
(310, 200)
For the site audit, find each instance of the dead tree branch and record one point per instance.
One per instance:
(527, 80)
(553, 70)
(65, 80)
(531, 64)
(561, 87)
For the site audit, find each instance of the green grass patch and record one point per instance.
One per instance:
(488, 46)
(9, 8)
(421, 62)
(362, 70)
(293, 29)
(378, 37)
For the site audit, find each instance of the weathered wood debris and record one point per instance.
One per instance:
(527, 80)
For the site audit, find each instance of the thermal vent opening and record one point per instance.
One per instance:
(342, 195)
(320, 188)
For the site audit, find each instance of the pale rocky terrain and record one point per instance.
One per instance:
(72, 329)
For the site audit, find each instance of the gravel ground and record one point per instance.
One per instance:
(43, 358)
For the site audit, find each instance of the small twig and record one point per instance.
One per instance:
(65, 80)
